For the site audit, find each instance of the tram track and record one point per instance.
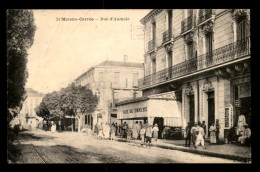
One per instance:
(41, 157)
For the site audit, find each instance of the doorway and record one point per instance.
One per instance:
(192, 108)
(246, 109)
(211, 109)
(159, 122)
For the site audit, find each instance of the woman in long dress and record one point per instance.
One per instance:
(212, 130)
(135, 130)
(155, 132)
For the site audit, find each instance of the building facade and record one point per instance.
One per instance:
(203, 56)
(27, 114)
(111, 81)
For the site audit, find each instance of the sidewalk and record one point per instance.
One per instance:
(229, 151)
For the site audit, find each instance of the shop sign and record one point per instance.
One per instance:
(144, 109)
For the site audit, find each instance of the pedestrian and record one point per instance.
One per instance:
(116, 129)
(155, 132)
(199, 139)
(125, 126)
(188, 135)
(246, 137)
(142, 134)
(212, 131)
(53, 127)
(194, 132)
(148, 135)
(128, 132)
(106, 130)
(217, 130)
(135, 130)
(205, 129)
(112, 132)
(100, 131)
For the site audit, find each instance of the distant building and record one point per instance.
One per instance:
(111, 81)
(197, 62)
(28, 115)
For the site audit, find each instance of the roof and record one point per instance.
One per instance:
(149, 15)
(132, 101)
(121, 63)
(32, 93)
(113, 63)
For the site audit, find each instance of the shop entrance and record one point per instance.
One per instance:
(192, 110)
(211, 109)
(246, 109)
(159, 122)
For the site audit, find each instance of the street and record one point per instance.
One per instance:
(72, 147)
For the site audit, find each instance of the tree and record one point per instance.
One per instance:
(20, 36)
(79, 100)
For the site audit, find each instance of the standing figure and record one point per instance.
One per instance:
(155, 132)
(112, 132)
(212, 130)
(200, 139)
(205, 129)
(142, 134)
(135, 130)
(100, 130)
(194, 133)
(106, 130)
(217, 131)
(241, 123)
(246, 137)
(148, 135)
(128, 133)
(116, 129)
(188, 135)
(53, 127)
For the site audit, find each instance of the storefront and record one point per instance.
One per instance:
(163, 109)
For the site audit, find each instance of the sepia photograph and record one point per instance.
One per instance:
(128, 86)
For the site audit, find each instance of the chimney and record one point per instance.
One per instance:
(125, 58)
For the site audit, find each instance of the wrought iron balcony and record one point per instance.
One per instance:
(186, 24)
(166, 36)
(218, 56)
(151, 45)
(204, 14)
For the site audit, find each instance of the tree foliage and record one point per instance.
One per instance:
(20, 30)
(71, 101)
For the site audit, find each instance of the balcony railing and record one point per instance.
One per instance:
(218, 56)
(186, 24)
(204, 14)
(151, 45)
(166, 36)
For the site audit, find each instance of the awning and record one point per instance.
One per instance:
(160, 105)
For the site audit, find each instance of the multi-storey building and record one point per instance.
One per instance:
(111, 81)
(199, 60)
(27, 114)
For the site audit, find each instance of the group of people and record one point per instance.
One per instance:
(51, 127)
(197, 133)
(141, 131)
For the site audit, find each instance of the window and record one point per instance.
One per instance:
(135, 79)
(242, 30)
(190, 50)
(209, 43)
(116, 82)
(87, 119)
(154, 66)
(154, 30)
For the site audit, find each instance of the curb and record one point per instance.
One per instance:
(184, 149)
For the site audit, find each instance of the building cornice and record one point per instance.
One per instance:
(150, 15)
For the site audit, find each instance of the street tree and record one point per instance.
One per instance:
(79, 100)
(20, 36)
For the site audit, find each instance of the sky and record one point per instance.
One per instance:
(62, 50)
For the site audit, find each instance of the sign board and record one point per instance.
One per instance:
(227, 117)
